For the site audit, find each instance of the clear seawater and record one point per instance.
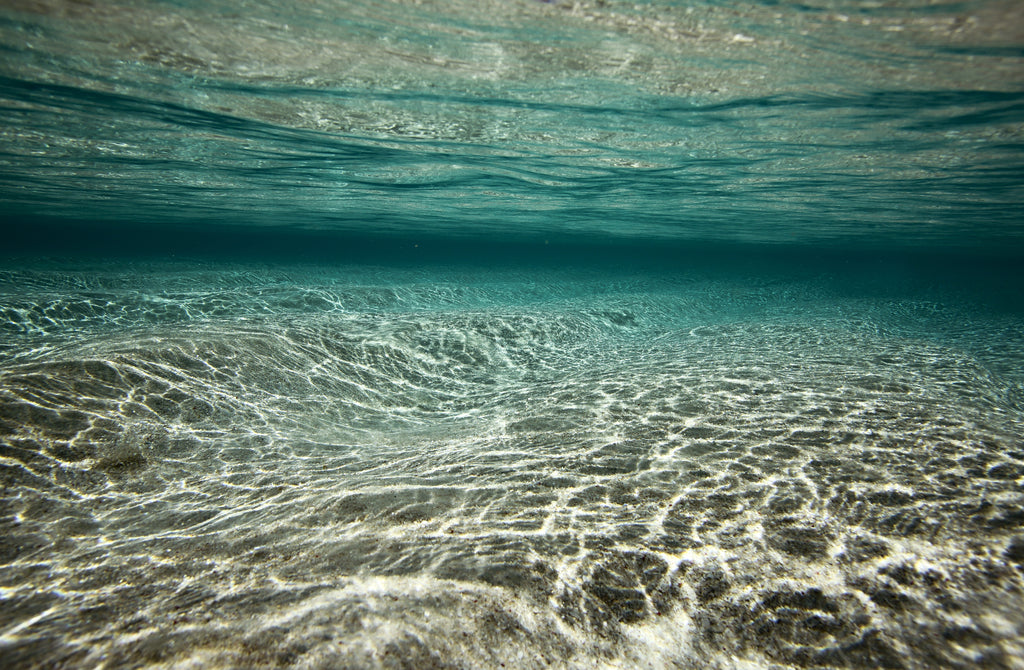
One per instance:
(414, 334)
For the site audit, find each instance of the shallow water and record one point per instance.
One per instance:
(519, 334)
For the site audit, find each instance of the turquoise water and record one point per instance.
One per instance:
(512, 334)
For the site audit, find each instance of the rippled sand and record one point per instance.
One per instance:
(363, 467)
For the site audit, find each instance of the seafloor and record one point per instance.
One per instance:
(260, 465)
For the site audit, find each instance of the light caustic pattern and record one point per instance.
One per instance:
(535, 474)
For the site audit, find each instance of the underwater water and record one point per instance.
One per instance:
(520, 334)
